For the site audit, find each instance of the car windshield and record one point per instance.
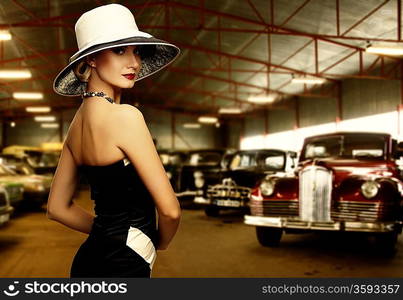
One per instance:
(267, 160)
(42, 159)
(346, 146)
(205, 158)
(271, 161)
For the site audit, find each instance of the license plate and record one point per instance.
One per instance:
(230, 203)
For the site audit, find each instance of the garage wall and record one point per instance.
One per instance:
(360, 97)
(160, 125)
(281, 120)
(367, 97)
(254, 125)
(313, 111)
(29, 133)
(232, 134)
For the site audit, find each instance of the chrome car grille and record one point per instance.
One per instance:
(233, 192)
(281, 208)
(315, 190)
(362, 211)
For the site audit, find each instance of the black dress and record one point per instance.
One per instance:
(124, 235)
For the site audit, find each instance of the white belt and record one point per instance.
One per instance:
(142, 245)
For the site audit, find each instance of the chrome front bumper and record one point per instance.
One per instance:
(189, 193)
(201, 200)
(5, 214)
(281, 222)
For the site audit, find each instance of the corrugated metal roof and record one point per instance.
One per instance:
(230, 49)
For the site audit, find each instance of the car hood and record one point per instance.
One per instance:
(246, 177)
(26, 179)
(348, 167)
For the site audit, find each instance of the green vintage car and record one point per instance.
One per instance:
(15, 190)
(35, 187)
(5, 208)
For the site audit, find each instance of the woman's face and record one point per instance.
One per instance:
(117, 66)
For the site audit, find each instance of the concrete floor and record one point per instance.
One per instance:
(33, 246)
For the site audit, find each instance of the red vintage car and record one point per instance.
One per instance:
(345, 181)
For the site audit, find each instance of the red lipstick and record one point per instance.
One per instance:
(130, 76)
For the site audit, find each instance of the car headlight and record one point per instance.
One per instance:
(199, 180)
(169, 174)
(267, 187)
(369, 189)
(35, 187)
(40, 187)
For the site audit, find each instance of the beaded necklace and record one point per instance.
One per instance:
(97, 94)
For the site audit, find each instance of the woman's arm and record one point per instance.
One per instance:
(134, 139)
(61, 207)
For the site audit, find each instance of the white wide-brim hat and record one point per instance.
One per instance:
(110, 26)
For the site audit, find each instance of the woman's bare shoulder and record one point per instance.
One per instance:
(127, 112)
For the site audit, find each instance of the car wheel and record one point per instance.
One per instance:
(212, 211)
(269, 236)
(386, 243)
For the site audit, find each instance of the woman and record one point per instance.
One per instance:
(110, 143)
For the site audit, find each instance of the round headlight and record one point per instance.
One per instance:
(197, 174)
(267, 187)
(199, 182)
(369, 189)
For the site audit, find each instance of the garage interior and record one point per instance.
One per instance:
(264, 74)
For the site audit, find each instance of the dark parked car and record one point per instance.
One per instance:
(5, 207)
(173, 161)
(347, 181)
(17, 164)
(190, 177)
(233, 184)
(43, 162)
(34, 188)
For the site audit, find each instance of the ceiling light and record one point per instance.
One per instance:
(229, 110)
(28, 95)
(37, 109)
(45, 119)
(385, 50)
(208, 120)
(12, 124)
(308, 80)
(50, 125)
(191, 125)
(261, 99)
(15, 74)
(5, 35)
